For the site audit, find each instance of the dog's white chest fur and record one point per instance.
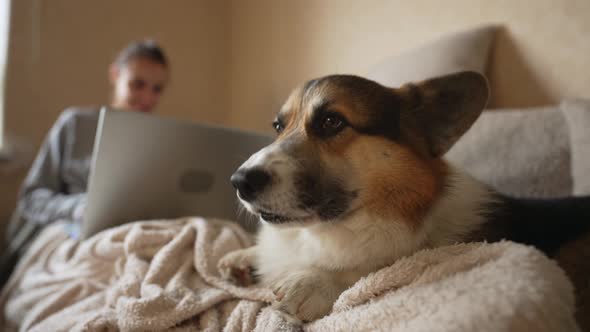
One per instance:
(348, 247)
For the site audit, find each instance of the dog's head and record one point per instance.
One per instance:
(347, 145)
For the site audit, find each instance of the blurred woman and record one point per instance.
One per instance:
(55, 187)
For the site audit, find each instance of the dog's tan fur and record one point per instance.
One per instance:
(412, 184)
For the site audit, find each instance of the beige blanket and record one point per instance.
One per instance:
(161, 276)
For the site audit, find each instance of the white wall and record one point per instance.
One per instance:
(4, 25)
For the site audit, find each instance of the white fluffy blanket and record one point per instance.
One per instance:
(161, 276)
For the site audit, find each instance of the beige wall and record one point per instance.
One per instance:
(541, 56)
(60, 51)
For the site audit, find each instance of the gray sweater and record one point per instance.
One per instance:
(55, 187)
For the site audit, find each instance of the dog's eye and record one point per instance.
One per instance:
(331, 124)
(278, 126)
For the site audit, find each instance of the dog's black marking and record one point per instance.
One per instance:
(546, 224)
(326, 197)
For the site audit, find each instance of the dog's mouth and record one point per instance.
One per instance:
(274, 218)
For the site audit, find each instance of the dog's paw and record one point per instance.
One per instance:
(237, 267)
(303, 298)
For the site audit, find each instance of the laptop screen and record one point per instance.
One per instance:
(149, 167)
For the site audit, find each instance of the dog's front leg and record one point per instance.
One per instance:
(303, 296)
(238, 266)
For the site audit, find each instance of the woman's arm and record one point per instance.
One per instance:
(44, 196)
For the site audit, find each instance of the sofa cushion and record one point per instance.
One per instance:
(465, 50)
(577, 114)
(520, 152)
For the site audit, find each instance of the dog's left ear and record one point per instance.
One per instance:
(438, 111)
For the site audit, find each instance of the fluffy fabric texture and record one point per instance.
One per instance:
(577, 114)
(162, 276)
(464, 50)
(521, 152)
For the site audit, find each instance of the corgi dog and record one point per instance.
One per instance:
(355, 180)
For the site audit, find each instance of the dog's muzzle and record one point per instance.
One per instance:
(250, 182)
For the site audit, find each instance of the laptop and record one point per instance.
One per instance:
(147, 167)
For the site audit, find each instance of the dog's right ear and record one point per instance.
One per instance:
(438, 111)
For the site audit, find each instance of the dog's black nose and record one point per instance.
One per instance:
(250, 182)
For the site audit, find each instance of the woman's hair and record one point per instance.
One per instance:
(144, 49)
